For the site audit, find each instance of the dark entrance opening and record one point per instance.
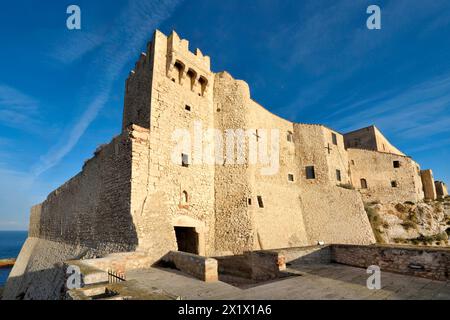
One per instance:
(187, 239)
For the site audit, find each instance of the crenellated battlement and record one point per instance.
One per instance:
(180, 47)
(187, 68)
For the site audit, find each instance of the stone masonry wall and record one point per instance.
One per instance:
(370, 138)
(89, 216)
(162, 181)
(93, 208)
(136, 108)
(433, 263)
(335, 215)
(429, 187)
(378, 170)
(234, 224)
(441, 189)
(279, 223)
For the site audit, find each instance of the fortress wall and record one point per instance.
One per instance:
(39, 273)
(138, 92)
(310, 147)
(89, 216)
(335, 215)
(383, 144)
(315, 147)
(337, 157)
(280, 223)
(362, 138)
(330, 213)
(441, 189)
(234, 226)
(154, 230)
(378, 170)
(370, 138)
(161, 179)
(429, 187)
(92, 208)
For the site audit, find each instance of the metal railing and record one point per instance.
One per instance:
(116, 276)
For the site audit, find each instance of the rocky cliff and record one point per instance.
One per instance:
(421, 223)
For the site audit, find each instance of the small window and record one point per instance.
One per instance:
(203, 83)
(289, 136)
(363, 184)
(260, 202)
(180, 69)
(192, 75)
(396, 164)
(249, 201)
(290, 177)
(184, 197)
(338, 175)
(310, 172)
(184, 160)
(353, 162)
(334, 138)
(187, 108)
(394, 184)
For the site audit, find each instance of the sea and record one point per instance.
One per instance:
(10, 244)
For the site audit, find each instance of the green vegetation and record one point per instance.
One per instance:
(401, 208)
(428, 240)
(408, 224)
(413, 218)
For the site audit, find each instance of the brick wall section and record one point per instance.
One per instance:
(432, 263)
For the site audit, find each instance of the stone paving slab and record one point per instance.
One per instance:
(318, 282)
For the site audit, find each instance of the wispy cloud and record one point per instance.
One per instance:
(132, 29)
(76, 45)
(421, 111)
(330, 44)
(18, 109)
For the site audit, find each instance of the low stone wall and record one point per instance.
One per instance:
(238, 266)
(119, 262)
(432, 263)
(267, 264)
(203, 268)
(307, 255)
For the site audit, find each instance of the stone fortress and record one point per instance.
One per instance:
(131, 196)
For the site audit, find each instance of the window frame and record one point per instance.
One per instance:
(312, 170)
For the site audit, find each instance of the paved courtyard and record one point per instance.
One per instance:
(327, 281)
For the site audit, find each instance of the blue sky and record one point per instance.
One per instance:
(61, 91)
